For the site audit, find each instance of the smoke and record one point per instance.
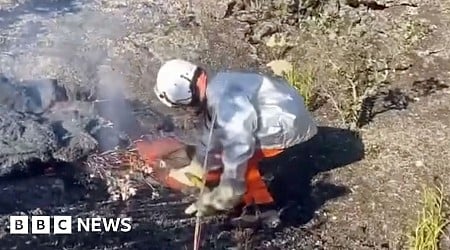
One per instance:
(112, 104)
(75, 45)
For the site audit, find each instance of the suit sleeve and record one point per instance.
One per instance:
(236, 121)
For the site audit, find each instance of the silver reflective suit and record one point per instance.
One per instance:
(254, 111)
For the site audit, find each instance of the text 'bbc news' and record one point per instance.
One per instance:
(66, 224)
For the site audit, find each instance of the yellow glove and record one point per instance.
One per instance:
(226, 196)
(190, 175)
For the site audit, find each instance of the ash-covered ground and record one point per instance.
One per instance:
(83, 50)
(340, 191)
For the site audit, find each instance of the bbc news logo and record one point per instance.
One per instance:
(63, 224)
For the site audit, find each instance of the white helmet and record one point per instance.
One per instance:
(174, 82)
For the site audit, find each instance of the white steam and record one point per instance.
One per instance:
(70, 43)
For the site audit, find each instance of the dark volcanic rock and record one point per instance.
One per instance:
(38, 124)
(24, 139)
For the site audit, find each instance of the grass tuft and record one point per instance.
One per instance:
(431, 220)
(304, 81)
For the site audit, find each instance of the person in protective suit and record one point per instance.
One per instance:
(257, 116)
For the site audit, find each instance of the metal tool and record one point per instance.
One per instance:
(198, 219)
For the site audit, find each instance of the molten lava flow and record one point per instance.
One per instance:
(164, 160)
(158, 149)
(166, 157)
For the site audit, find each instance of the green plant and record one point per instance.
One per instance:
(304, 81)
(431, 220)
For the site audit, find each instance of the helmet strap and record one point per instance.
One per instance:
(198, 89)
(199, 99)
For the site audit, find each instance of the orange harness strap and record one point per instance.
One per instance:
(257, 191)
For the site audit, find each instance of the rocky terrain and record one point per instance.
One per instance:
(380, 68)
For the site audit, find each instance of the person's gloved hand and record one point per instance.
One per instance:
(225, 196)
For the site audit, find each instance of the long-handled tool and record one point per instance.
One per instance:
(202, 188)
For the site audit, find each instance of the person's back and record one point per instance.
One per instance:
(282, 117)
